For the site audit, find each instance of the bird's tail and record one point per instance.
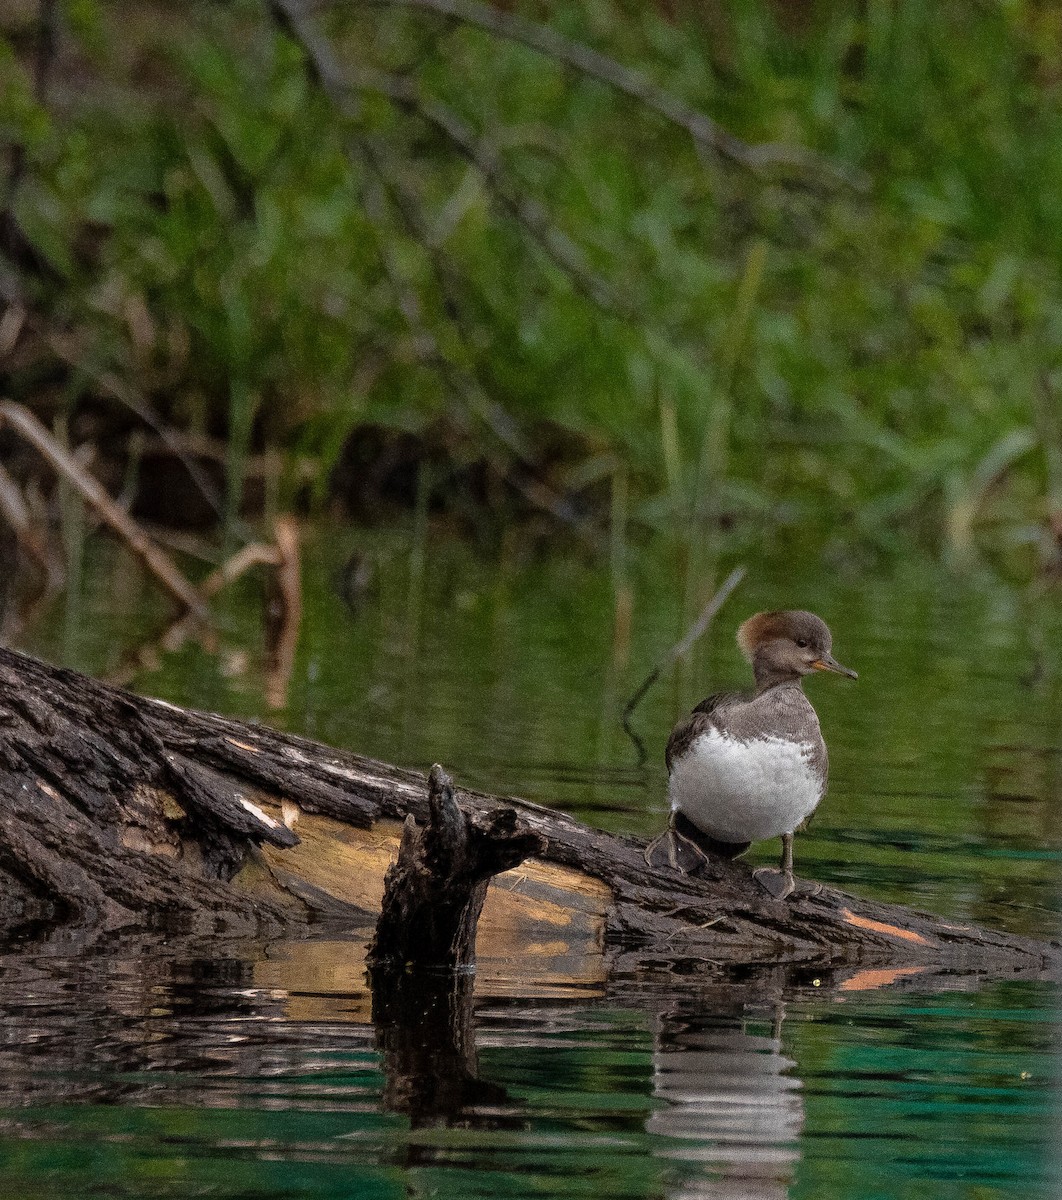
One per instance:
(709, 845)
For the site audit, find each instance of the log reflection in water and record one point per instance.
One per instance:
(425, 1031)
(137, 1026)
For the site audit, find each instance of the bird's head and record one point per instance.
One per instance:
(787, 644)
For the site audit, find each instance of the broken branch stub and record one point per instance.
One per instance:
(434, 891)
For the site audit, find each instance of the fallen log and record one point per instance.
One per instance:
(121, 811)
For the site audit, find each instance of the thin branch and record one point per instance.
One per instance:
(146, 656)
(295, 19)
(383, 185)
(252, 555)
(595, 65)
(284, 613)
(157, 561)
(526, 211)
(283, 616)
(679, 650)
(119, 390)
(130, 398)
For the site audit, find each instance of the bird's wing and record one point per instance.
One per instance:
(699, 721)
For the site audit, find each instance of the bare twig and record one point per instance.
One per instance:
(157, 561)
(15, 511)
(383, 185)
(679, 650)
(282, 628)
(126, 395)
(147, 655)
(119, 390)
(284, 616)
(253, 555)
(595, 65)
(526, 211)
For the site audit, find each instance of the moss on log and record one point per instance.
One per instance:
(121, 811)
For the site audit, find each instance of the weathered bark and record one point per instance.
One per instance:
(119, 811)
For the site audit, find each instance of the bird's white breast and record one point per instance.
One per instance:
(745, 791)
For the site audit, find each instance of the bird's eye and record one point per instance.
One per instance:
(802, 643)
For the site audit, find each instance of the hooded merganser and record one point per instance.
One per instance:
(743, 767)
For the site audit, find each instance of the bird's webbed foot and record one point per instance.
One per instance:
(775, 882)
(674, 849)
(779, 882)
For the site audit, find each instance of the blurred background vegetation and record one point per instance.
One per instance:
(503, 259)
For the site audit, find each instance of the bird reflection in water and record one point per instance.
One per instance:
(729, 1106)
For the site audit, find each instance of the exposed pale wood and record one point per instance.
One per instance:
(548, 911)
(541, 933)
(121, 811)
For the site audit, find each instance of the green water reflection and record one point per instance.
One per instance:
(204, 1084)
(138, 1072)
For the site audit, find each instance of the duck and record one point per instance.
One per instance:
(747, 766)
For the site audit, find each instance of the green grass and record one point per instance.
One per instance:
(772, 355)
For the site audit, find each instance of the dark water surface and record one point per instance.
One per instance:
(143, 1068)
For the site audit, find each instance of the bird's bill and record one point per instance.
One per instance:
(827, 662)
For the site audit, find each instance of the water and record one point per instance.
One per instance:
(151, 1068)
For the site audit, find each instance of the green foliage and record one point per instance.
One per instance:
(772, 347)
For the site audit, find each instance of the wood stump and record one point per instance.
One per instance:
(422, 955)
